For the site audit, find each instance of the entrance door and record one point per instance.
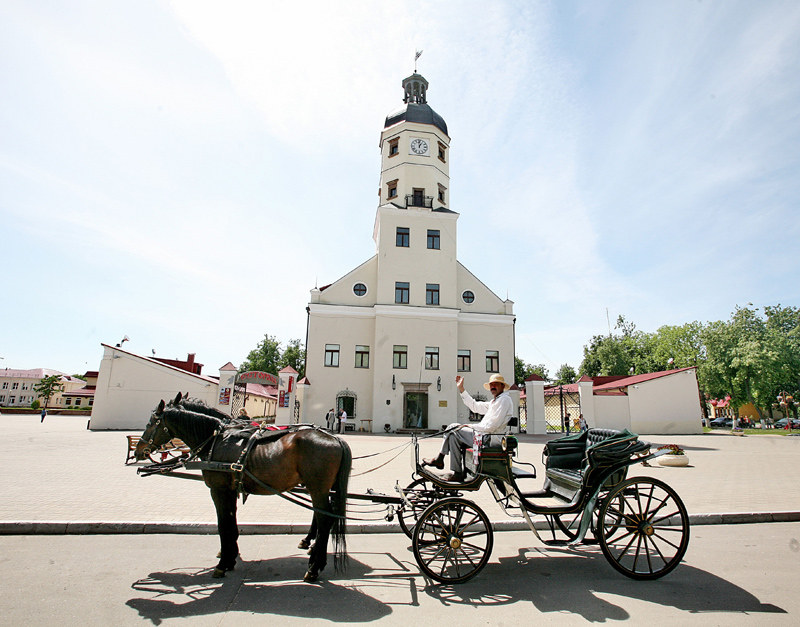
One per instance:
(416, 410)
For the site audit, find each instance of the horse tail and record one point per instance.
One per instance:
(339, 507)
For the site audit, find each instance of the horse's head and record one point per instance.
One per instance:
(155, 434)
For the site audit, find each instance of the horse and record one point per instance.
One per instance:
(318, 460)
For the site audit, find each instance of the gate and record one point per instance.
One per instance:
(562, 409)
(239, 396)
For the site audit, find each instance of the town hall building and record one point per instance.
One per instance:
(386, 341)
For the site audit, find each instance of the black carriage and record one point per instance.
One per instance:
(640, 523)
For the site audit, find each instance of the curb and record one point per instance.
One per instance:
(79, 527)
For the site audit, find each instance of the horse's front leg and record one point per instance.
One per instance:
(228, 529)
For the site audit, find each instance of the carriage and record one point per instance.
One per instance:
(640, 523)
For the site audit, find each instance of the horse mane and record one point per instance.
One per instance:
(193, 428)
(198, 406)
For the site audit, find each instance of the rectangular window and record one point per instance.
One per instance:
(11, 400)
(5, 385)
(332, 355)
(402, 238)
(2, 398)
(431, 358)
(24, 386)
(91, 402)
(431, 293)
(77, 402)
(442, 196)
(391, 189)
(433, 239)
(15, 386)
(442, 152)
(464, 361)
(400, 356)
(401, 293)
(492, 361)
(362, 356)
(394, 148)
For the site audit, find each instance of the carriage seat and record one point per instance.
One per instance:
(493, 457)
(568, 460)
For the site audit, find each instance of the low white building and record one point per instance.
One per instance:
(656, 403)
(16, 387)
(130, 386)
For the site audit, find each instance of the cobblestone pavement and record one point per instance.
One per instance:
(59, 471)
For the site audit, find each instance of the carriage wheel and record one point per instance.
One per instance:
(420, 494)
(645, 528)
(453, 540)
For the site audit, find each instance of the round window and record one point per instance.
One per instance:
(359, 289)
(468, 297)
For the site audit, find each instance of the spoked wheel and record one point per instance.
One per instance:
(453, 540)
(420, 494)
(568, 524)
(645, 528)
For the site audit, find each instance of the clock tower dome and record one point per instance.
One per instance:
(415, 170)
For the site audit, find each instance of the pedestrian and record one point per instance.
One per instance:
(582, 423)
(43, 414)
(330, 419)
(342, 420)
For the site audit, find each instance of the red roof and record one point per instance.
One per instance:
(534, 377)
(621, 382)
(288, 369)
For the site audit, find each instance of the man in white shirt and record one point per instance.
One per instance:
(497, 413)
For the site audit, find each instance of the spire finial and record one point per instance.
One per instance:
(417, 56)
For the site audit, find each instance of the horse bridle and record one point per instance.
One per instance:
(158, 421)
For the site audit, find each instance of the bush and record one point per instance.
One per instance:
(35, 404)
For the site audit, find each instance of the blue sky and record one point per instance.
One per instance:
(185, 172)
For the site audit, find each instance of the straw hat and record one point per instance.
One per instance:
(497, 378)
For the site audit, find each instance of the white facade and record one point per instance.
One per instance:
(16, 387)
(384, 340)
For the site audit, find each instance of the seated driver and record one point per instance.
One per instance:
(497, 413)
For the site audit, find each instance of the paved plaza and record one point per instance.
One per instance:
(61, 472)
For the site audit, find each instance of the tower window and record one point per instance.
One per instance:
(464, 361)
(362, 356)
(391, 189)
(394, 148)
(492, 361)
(332, 355)
(401, 290)
(432, 294)
(442, 153)
(433, 239)
(442, 195)
(431, 358)
(402, 239)
(400, 356)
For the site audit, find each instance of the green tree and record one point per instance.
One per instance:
(523, 370)
(48, 387)
(295, 356)
(266, 357)
(565, 374)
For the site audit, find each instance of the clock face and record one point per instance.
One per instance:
(419, 146)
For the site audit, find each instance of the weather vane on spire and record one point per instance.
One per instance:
(417, 56)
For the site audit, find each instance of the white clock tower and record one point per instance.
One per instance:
(386, 340)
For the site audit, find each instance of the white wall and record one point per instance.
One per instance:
(130, 387)
(670, 404)
(611, 412)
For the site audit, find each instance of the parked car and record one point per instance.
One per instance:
(781, 424)
(721, 422)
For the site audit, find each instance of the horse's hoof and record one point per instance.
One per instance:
(218, 573)
(304, 544)
(310, 550)
(309, 577)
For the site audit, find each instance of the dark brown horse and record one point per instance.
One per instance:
(318, 460)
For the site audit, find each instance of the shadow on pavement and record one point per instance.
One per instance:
(268, 587)
(577, 582)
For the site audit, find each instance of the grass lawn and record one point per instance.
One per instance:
(752, 431)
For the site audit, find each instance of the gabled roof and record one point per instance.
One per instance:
(163, 365)
(229, 366)
(637, 378)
